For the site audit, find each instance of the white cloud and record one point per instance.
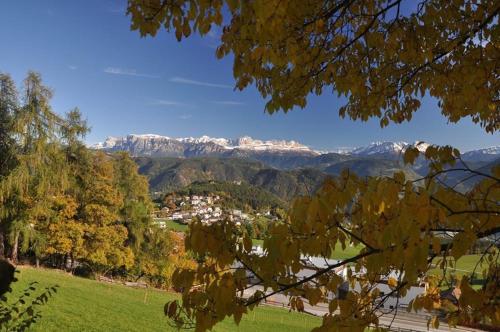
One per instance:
(228, 102)
(164, 102)
(183, 80)
(72, 67)
(126, 72)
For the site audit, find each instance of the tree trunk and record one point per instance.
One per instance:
(72, 267)
(37, 262)
(15, 248)
(2, 245)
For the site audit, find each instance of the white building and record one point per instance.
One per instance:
(177, 216)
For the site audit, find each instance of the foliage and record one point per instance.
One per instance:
(240, 196)
(395, 221)
(382, 57)
(8, 103)
(62, 203)
(22, 313)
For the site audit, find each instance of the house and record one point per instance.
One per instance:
(160, 223)
(177, 216)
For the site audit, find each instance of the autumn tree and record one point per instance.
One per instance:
(382, 57)
(35, 131)
(8, 105)
(104, 246)
(137, 206)
(59, 200)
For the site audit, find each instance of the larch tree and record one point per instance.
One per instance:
(137, 205)
(35, 131)
(382, 57)
(8, 161)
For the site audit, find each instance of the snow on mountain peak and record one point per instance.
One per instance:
(248, 143)
(204, 139)
(421, 146)
(244, 142)
(381, 148)
(155, 142)
(486, 154)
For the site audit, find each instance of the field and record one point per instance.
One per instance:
(464, 265)
(174, 225)
(338, 253)
(87, 305)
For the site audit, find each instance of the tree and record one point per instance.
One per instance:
(382, 57)
(8, 105)
(35, 130)
(137, 205)
(105, 235)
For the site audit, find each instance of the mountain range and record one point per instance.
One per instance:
(284, 168)
(163, 146)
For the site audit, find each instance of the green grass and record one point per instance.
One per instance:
(348, 252)
(174, 225)
(464, 266)
(338, 253)
(87, 305)
(257, 242)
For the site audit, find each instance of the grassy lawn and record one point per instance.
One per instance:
(86, 305)
(174, 225)
(338, 253)
(348, 252)
(464, 265)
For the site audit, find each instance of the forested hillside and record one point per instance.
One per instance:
(238, 195)
(170, 174)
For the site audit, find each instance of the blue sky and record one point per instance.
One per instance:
(126, 84)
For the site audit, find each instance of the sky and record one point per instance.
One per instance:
(124, 84)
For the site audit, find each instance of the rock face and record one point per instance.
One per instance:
(276, 153)
(163, 146)
(284, 168)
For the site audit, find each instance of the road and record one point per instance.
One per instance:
(401, 321)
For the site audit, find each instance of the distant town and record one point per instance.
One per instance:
(209, 209)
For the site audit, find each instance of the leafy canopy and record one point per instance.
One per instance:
(382, 56)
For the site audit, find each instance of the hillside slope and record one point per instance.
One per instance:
(171, 174)
(83, 305)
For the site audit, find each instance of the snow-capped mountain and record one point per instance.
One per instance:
(388, 149)
(164, 146)
(156, 145)
(248, 143)
(487, 154)
(377, 148)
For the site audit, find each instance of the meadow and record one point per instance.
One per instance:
(174, 225)
(87, 305)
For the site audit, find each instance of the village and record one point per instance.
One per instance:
(209, 208)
